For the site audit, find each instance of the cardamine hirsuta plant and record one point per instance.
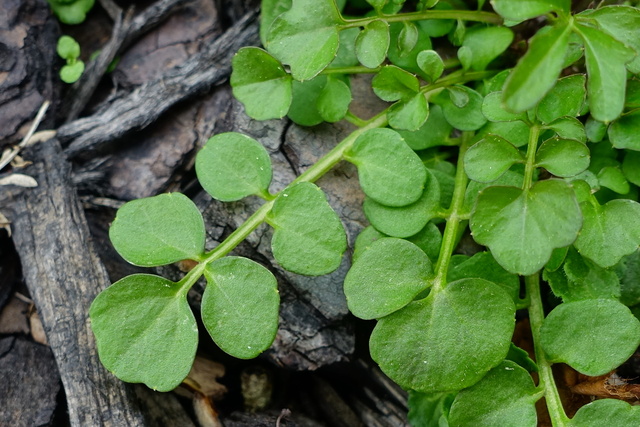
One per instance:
(543, 136)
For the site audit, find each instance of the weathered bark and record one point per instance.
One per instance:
(64, 274)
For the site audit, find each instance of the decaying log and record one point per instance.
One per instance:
(64, 274)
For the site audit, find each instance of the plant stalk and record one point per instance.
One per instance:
(464, 15)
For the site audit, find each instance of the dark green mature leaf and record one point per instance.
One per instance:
(612, 178)
(537, 71)
(306, 37)
(563, 157)
(623, 133)
(333, 101)
(393, 83)
(447, 341)
(407, 60)
(521, 10)
(430, 64)
(516, 133)
(621, 22)
(240, 306)
(405, 221)
(592, 336)
(145, 331)
(569, 128)
(429, 409)
(269, 11)
(506, 396)
(469, 117)
(372, 44)
(521, 357)
(386, 277)
(261, 84)
(158, 230)
(523, 227)
(510, 178)
(565, 99)
(364, 241)
(631, 167)
(346, 55)
(438, 27)
(304, 107)
(429, 239)
(489, 158)
(485, 44)
(407, 38)
(390, 172)
(409, 114)
(628, 271)
(434, 132)
(601, 413)
(309, 237)
(232, 166)
(609, 232)
(595, 130)
(494, 110)
(605, 58)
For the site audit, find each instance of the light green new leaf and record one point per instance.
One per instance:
(232, 166)
(521, 10)
(240, 306)
(261, 84)
(592, 336)
(609, 232)
(468, 117)
(569, 128)
(71, 73)
(563, 157)
(405, 221)
(269, 11)
(506, 396)
(68, 48)
(407, 38)
(489, 158)
(493, 109)
(145, 331)
(403, 59)
(71, 12)
(605, 58)
(409, 114)
(538, 70)
(623, 133)
(430, 64)
(386, 277)
(523, 227)
(434, 132)
(390, 172)
(393, 83)
(565, 99)
(333, 101)
(485, 44)
(372, 44)
(306, 37)
(429, 409)
(158, 230)
(621, 22)
(447, 341)
(601, 413)
(309, 238)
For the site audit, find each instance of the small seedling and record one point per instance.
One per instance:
(69, 50)
(537, 156)
(71, 12)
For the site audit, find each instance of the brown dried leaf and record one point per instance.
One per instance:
(203, 379)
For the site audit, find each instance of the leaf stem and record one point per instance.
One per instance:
(356, 69)
(532, 147)
(454, 216)
(464, 15)
(536, 316)
(456, 78)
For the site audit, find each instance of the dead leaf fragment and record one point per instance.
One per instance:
(5, 223)
(203, 379)
(205, 411)
(19, 179)
(37, 330)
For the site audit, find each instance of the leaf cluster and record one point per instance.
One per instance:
(71, 12)
(69, 50)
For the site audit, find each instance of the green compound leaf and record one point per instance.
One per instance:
(393, 83)
(506, 396)
(602, 413)
(386, 277)
(623, 133)
(372, 44)
(563, 157)
(605, 58)
(232, 166)
(592, 336)
(429, 409)
(565, 99)
(409, 114)
(430, 64)
(68, 48)
(468, 117)
(405, 221)
(260, 82)
(309, 238)
(521, 10)
(306, 37)
(145, 331)
(523, 227)
(390, 172)
(485, 44)
(334, 99)
(71, 13)
(494, 110)
(609, 232)
(569, 128)
(489, 158)
(434, 132)
(158, 230)
(538, 70)
(71, 73)
(447, 341)
(269, 11)
(621, 22)
(240, 306)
